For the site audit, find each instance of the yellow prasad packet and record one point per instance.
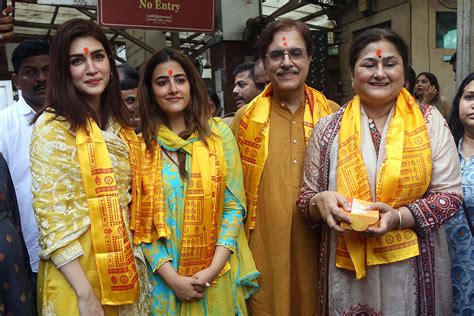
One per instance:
(361, 218)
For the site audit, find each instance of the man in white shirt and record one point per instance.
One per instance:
(30, 62)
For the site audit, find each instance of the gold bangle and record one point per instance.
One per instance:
(399, 220)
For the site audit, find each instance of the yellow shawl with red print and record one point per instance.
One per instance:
(253, 138)
(403, 177)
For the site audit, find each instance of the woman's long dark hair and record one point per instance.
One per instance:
(61, 94)
(434, 82)
(196, 114)
(455, 124)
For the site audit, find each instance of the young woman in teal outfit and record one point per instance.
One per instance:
(193, 200)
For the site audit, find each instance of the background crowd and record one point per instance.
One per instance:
(125, 193)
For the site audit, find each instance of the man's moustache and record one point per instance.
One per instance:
(39, 86)
(292, 71)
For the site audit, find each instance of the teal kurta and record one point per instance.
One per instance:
(228, 296)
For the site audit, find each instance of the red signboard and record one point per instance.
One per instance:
(174, 15)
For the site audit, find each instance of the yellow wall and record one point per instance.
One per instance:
(425, 55)
(411, 20)
(395, 11)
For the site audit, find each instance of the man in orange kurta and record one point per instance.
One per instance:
(272, 132)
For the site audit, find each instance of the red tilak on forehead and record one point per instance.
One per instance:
(170, 72)
(284, 43)
(86, 51)
(378, 52)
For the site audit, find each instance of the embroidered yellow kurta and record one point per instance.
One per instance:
(62, 214)
(282, 244)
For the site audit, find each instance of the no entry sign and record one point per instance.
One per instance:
(178, 15)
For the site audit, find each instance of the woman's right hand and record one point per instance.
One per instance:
(87, 301)
(329, 203)
(187, 288)
(429, 95)
(89, 304)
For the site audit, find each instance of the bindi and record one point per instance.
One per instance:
(170, 72)
(283, 41)
(378, 53)
(86, 51)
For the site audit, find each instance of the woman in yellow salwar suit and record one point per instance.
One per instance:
(84, 157)
(193, 206)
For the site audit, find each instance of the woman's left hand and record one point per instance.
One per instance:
(389, 219)
(218, 262)
(206, 275)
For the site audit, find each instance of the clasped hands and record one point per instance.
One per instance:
(328, 204)
(192, 288)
